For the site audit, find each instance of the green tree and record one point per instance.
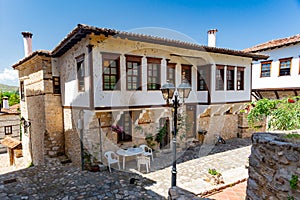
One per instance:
(13, 97)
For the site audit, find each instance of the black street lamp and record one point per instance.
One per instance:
(168, 91)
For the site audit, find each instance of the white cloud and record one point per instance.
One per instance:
(9, 76)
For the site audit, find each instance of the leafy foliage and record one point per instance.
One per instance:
(213, 172)
(150, 141)
(13, 97)
(161, 134)
(294, 181)
(282, 114)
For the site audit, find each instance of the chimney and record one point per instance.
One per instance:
(211, 37)
(5, 103)
(27, 38)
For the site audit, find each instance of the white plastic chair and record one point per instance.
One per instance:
(147, 151)
(112, 158)
(143, 160)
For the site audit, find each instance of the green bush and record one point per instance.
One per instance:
(13, 97)
(282, 114)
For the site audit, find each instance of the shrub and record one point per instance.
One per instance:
(282, 114)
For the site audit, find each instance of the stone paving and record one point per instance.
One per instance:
(68, 182)
(191, 174)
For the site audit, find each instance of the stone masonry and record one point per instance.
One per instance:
(273, 162)
(42, 108)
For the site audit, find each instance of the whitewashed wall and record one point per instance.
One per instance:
(71, 97)
(276, 81)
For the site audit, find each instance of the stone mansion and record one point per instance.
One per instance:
(96, 78)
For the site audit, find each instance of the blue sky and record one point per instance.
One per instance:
(241, 23)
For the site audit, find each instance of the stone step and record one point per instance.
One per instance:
(64, 159)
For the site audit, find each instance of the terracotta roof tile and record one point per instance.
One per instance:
(14, 109)
(38, 52)
(274, 44)
(82, 30)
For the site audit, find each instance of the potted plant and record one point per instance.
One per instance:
(150, 141)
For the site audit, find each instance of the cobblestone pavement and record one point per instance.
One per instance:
(68, 182)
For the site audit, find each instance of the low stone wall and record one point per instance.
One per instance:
(273, 161)
(243, 127)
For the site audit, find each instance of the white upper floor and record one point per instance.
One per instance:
(282, 69)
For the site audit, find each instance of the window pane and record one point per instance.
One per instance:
(285, 67)
(111, 73)
(129, 65)
(106, 63)
(113, 63)
(106, 70)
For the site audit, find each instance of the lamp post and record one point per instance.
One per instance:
(168, 91)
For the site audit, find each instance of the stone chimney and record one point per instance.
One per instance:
(27, 38)
(211, 37)
(5, 103)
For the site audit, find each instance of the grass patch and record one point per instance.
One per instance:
(291, 137)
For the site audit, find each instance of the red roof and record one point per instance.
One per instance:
(14, 109)
(274, 44)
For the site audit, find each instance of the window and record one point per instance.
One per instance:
(133, 75)
(80, 73)
(111, 71)
(56, 85)
(219, 77)
(22, 90)
(230, 77)
(265, 69)
(171, 72)
(126, 123)
(8, 130)
(202, 73)
(153, 74)
(240, 78)
(285, 67)
(186, 73)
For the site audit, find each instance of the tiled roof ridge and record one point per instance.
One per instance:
(274, 43)
(82, 30)
(37, 52)
(153, 38)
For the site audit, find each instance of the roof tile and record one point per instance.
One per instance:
(274, 44)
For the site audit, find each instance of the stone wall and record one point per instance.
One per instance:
(54, 136)
(9, 120)
(243, 127)
(273, 162)
(43, 109)
(225, 126)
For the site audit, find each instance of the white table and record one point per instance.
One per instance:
(129, 152)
